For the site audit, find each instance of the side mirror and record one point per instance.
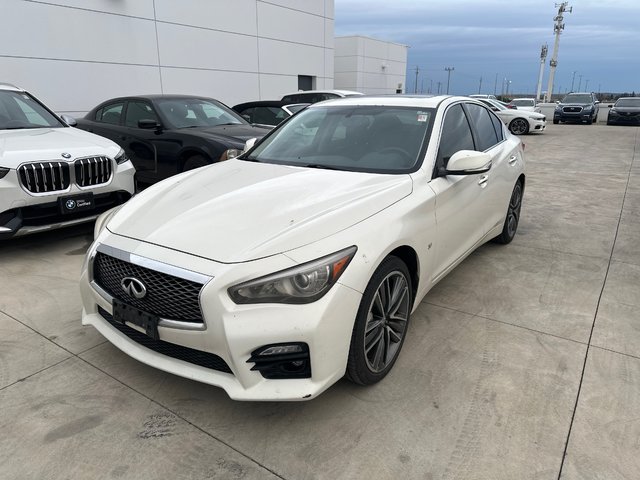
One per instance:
(610, 106)
(148, 124)
(69, 120)
(468, 162)
(597, 102)
(249, 144)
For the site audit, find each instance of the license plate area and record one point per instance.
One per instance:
(123, 313)
(76, 203)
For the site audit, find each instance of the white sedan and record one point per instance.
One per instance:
(519, 122)
(275, 274)
(526, 104)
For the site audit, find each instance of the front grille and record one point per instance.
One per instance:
(572, 109)
(44, 177)
(189, 355)
(93, 171)
(167, 296)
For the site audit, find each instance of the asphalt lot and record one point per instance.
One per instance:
(521, 354)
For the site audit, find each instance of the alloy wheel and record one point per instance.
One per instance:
(386, 321)
(519, 126)
(513, 213)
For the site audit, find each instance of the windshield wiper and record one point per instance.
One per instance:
(320, 166)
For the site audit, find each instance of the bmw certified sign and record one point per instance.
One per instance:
(70, 204)
(133, 287)
(66, 155)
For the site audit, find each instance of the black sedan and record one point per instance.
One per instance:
(268, 112)
(167, 134)
(626, 111)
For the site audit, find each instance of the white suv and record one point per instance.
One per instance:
(53, 175)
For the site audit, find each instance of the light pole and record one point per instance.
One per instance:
(580, 83)
(449, 70)
(543, 56)
(586, 85)
(573, 79)
(415, 89)
(557, 30)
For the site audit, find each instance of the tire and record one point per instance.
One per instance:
(513, 216)
(595, 119)
(589, 121)
(519, 126)
(609, 123)
(555, 122)
(195, 161)
(372, 356)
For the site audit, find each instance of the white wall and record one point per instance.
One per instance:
(73, 54)
(368, 65)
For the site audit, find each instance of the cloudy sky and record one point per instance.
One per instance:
(502, 39)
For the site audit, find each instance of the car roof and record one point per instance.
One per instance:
(157, 96)
(337, 92)
(523, 98)
(424, 101)
(262, 103)
(10, 87)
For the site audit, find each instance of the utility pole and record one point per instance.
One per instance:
(439, 85)
(557, 29)
(580, 83)
(573, 79)
(431, 87)
(480, 86)
(586, 85)
(415, 89)
(495, 86)
(543, 56)
(449, 70)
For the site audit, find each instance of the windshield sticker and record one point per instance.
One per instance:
(422, 117)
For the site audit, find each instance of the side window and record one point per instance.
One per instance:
(110, 114)
(137, 111)
(456, 135)
(497, 124)
(486, 133)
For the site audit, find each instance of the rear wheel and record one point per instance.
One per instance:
(519, 126)
(513, 216)
(555, 122)
(381, 323)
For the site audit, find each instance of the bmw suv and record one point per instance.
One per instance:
(51, 174)
(577, 107)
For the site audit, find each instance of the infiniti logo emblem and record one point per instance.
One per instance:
(133, 287)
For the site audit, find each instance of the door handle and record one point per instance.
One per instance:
(513, 159)
(482, 181)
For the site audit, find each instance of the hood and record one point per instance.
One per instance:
(28, 145)
(237, 211)
(234, 134)
(626, 109)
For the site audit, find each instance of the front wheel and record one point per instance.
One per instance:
(519, 126)
(195, 161)
(513, 216)
(381, 323)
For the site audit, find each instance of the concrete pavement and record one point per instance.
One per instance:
(523, 353)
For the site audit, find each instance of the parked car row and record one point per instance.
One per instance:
(519, 122)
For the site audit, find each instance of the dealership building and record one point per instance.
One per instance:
(74, 54)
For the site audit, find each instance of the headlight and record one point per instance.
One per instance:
(121, 157)
(3, 172)
(613, 110)
(103, 219)
(586, 108)
(305, 283)
(229, 154)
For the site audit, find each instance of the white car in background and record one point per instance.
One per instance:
(519, 122)
(274, 274)
(526, 104)
(53, 175)
(314, 96)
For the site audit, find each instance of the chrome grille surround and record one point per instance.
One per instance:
(43, 178)
(173, 292)
(92, 171)
(572, 109)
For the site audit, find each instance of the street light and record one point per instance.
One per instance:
(449, 70)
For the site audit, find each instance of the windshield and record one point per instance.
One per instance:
(523, 103)
(577, 98)
(380, 139)
(493, 103)
(197, 112)
(628, 102)
(18, 110)
(295, 108)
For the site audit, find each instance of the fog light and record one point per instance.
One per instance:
(282, 360)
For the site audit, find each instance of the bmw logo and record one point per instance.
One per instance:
(66, 155)
(70, 204)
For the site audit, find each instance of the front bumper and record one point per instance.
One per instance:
(621, 119)
(582, 116)
(232, 332)
(537, 125)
